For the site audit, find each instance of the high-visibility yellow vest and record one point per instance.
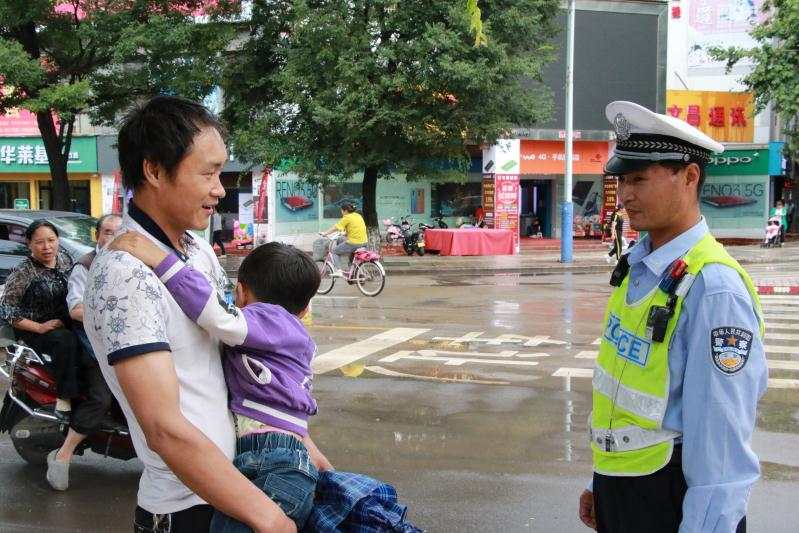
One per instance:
(631, 379)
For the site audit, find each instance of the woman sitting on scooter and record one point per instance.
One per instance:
(34, 303)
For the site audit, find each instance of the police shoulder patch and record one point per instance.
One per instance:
(730, 347)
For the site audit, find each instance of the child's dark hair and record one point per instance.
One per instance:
(280, 274)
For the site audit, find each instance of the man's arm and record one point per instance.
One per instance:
(76, 288)
(76, 313)
(725, 375)
(150, 385)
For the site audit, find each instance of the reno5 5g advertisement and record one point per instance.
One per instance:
(735, 194)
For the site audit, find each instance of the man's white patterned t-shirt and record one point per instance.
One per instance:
(128, 313)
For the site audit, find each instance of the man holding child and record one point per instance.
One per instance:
(165, 370)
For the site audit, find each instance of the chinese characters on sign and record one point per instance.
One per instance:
(506, 204)
(488, 200)
(727, 117)
(27, 154)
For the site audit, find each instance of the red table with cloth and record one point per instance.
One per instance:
(469, 241)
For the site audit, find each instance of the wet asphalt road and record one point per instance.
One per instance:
(445, 388)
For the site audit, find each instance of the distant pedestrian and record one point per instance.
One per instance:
(617, 233)
(216, 232)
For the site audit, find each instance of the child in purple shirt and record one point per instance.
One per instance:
(267, 364)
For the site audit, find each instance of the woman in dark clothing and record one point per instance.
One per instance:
(34, 303)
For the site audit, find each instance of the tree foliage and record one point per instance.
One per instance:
(341, 87)
(775, 76)
(62, 58)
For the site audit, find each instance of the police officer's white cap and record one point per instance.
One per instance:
(644, 137)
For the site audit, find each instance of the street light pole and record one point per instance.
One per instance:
(567, 209)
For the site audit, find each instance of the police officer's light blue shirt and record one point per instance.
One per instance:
(714, 410)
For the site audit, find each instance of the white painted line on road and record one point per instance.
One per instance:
(788, 350)
(508, 338)
(779, 383)
(574, 372)
(453, 361)
(392, 373)
(781, 318)
(771, 327)
(790, 301)
(782, 336)
(503, 353)
(781, 364)
(358, 350)
(597, 342)
(780, 309)
(587, 355)
(787, 300)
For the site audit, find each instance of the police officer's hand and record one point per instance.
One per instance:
(587, 509)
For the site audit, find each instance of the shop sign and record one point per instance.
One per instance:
(296, 200)
(734, 198)
(502, 157)
(489, 191)
(22, 203)
(725, 116)
(739, 162)
(506, 204)
(27, 154)
(260, 184)
(549, 157)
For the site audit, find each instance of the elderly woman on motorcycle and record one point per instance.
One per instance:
(35, 304)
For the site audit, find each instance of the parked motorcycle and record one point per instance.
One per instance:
(440, 222)
(394, 232)
(413, 241)
(28, 408)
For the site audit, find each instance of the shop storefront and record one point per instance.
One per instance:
(25, 181)
(542, 165)
(735, 198)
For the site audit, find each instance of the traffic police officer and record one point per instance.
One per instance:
(681, 364)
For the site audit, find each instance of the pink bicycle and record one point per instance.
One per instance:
(366, 271)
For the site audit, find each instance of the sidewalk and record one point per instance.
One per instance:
(548, 262)
(585, 262)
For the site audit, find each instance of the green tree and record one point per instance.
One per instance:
(62, 58)
(343, 87)
(775, 75)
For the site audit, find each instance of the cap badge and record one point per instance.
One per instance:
(622, 127)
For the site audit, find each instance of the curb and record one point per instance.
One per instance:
(778, 289)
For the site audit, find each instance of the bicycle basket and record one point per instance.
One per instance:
(320, 249)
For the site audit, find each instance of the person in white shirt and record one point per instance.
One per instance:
(89, 417)
(166, 371)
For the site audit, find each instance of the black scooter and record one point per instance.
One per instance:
(413, 240)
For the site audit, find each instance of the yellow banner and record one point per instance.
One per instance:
(725, 116)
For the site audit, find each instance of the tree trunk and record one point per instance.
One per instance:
(57, 160)
(369, 192)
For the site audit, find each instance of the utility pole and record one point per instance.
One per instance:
(567, 209)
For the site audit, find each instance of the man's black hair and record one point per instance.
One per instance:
(36, 224)
(676, 166)
(348, 207)
(161, 131)
(280, 274)
(100, 221)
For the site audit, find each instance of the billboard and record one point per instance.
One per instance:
(725, 116)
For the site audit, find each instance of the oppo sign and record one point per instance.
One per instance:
(731, 160)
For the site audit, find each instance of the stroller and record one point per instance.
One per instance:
(772, 238)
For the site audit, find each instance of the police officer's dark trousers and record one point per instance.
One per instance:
(650, 503)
